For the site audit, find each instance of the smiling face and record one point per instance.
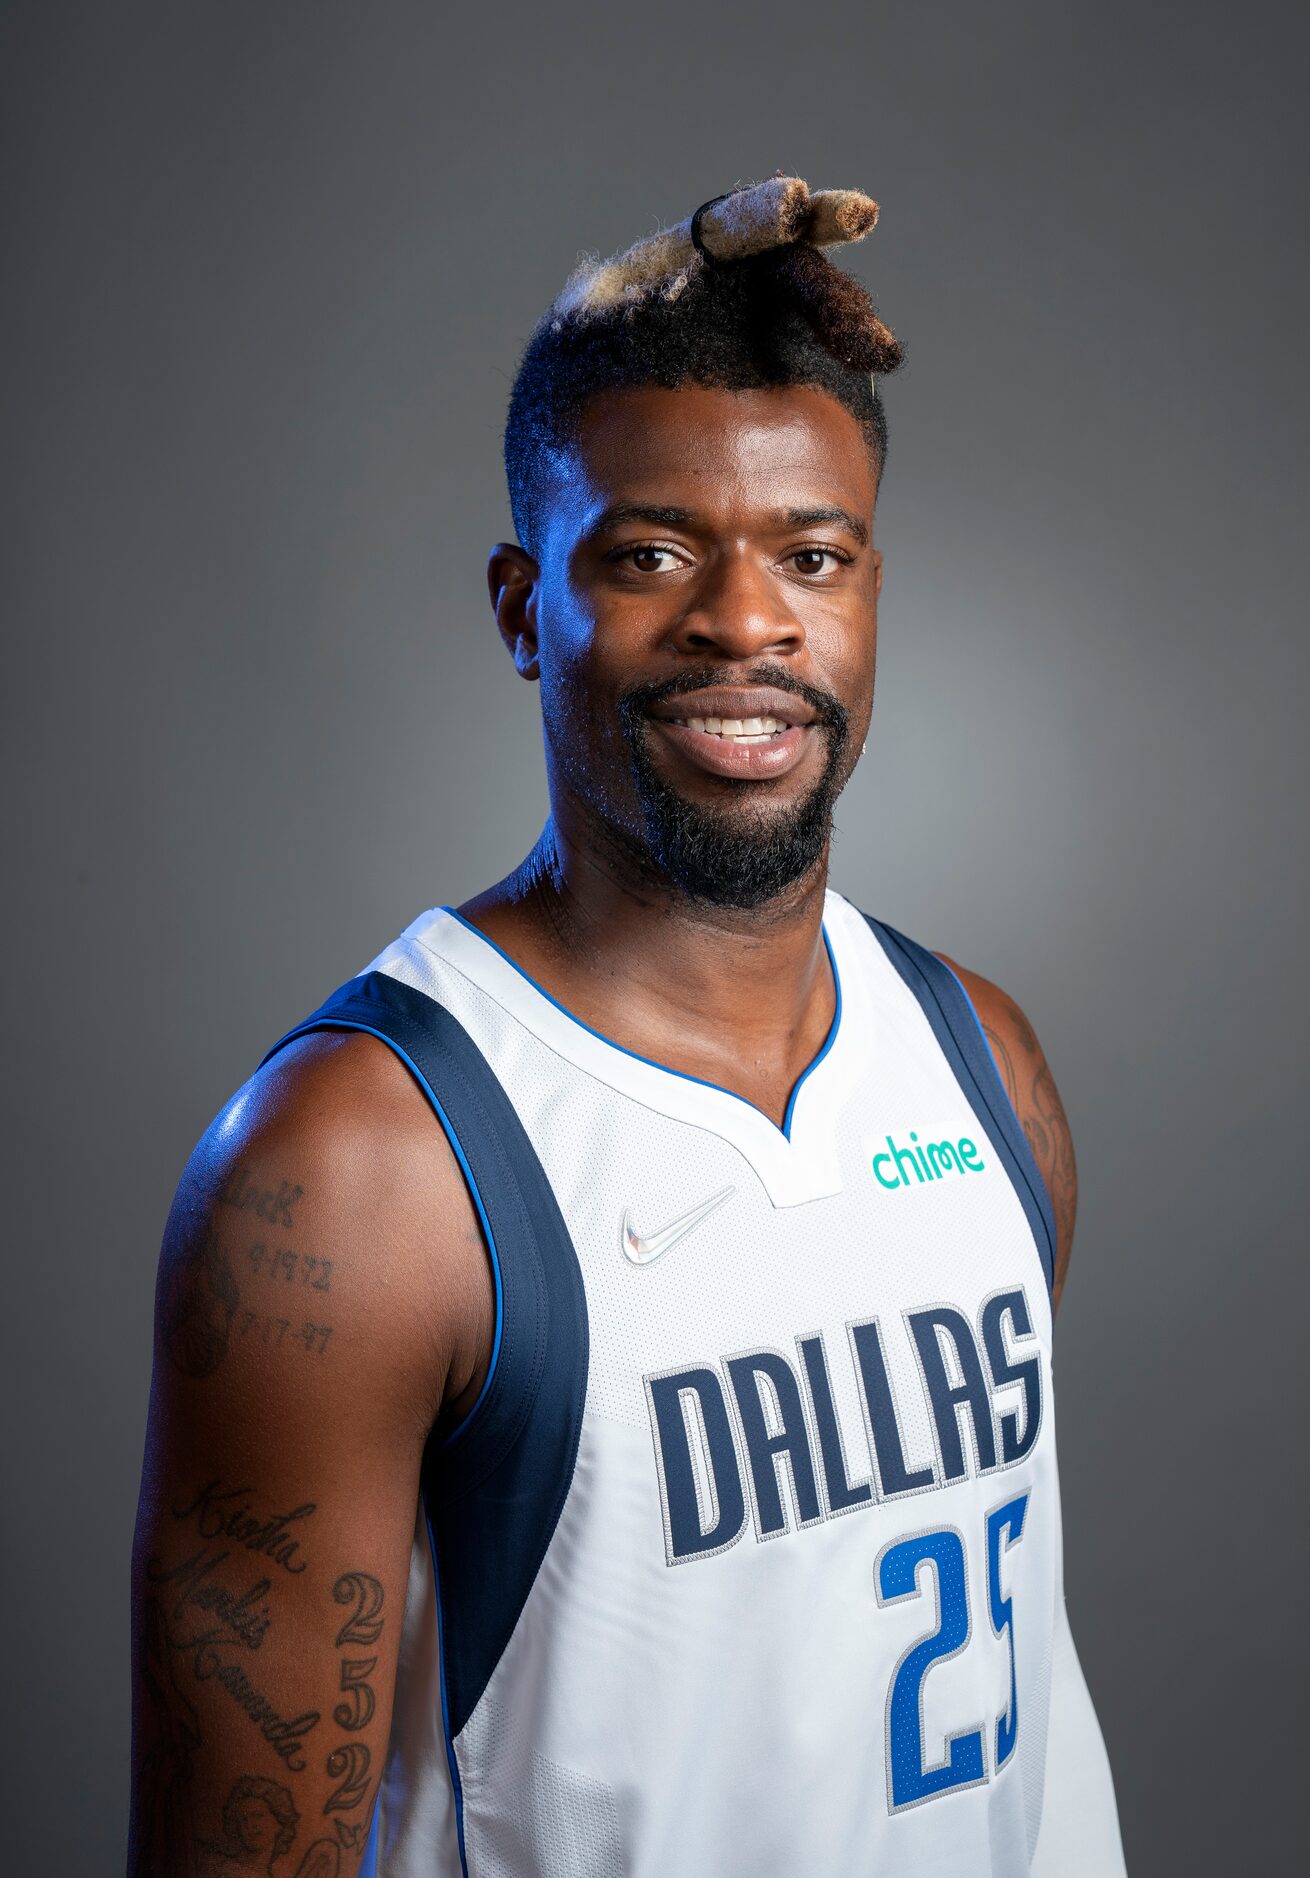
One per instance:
(703, 623)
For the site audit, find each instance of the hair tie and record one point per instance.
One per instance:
(697, 240)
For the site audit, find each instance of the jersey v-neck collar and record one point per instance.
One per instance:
(795, 1163)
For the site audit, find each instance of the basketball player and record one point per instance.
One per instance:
(602, 1418)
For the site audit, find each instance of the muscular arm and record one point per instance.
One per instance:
(323, 1298)
(1031, 1088)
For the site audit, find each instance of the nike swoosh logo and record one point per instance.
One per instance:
(646, 1251)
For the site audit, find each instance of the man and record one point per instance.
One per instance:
(602, 1417)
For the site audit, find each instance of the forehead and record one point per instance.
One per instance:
(722, 453)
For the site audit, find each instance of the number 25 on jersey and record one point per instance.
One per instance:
(940, 1555)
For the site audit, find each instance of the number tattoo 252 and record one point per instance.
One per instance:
(349, 1763)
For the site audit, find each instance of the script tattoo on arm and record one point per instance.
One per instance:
(210, 1610)
(274, 1204)
(201, 1623)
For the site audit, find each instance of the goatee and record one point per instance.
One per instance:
(740, 853)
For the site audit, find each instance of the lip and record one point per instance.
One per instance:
(744, 762)
(735, 701)
(741, 762)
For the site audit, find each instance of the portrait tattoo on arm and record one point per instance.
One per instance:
(198, 1300)
(260, 1823)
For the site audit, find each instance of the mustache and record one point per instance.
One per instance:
(828, 710)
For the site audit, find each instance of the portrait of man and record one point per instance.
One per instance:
(650, 1264)
(655, 755)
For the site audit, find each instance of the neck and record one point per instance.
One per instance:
(741, 997)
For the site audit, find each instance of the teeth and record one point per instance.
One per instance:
(739, 729)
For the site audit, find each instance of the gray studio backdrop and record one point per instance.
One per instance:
(269, 269)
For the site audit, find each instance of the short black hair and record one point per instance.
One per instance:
(783, 317)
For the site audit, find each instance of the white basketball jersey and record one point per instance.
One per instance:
(746, 1563)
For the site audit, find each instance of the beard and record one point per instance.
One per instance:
(739, 851)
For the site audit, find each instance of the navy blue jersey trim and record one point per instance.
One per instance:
(955, 1025)
(494, 1494)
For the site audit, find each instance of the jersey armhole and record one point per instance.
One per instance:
(958, 1030)
(494, 1487)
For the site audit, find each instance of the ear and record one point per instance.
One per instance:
(512, 577)
(877, 573)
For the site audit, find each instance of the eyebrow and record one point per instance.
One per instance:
(813, 518)
(659, 515)
(662, 515)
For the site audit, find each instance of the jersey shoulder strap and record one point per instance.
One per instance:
(949, 1010)
(494, 1487)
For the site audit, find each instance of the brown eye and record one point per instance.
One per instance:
(810, 560)
(647, 556)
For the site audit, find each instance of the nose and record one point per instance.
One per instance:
(738, 612)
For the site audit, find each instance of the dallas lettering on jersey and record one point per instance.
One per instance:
(727, 1436)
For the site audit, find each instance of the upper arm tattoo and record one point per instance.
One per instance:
(257, 1655)
(197, 1301)
(251, 1284)
(205, 1622)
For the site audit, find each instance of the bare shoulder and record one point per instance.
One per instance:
(323, 1211)
(1031, 1088)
